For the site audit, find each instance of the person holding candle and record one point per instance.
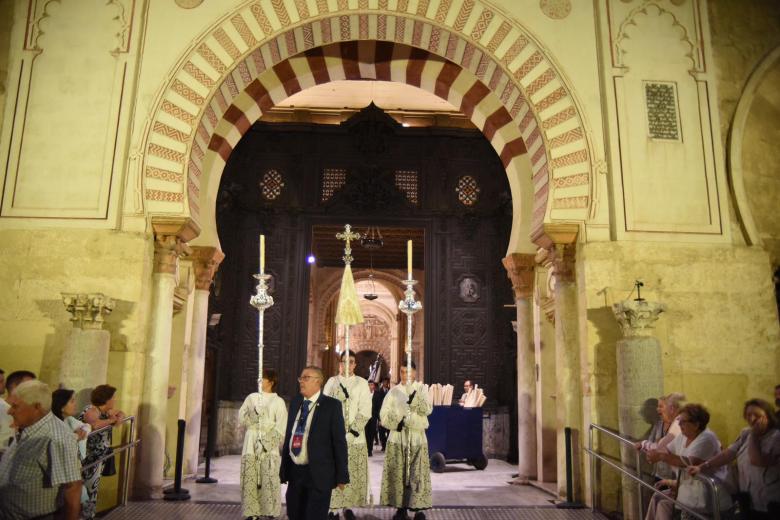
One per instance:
(355, 397)
(265, 418)
(406, 478)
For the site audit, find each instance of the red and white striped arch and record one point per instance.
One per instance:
(487, 66)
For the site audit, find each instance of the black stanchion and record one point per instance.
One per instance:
(570, 503)
(177, 493)
(211, 433)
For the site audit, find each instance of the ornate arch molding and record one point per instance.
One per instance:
(203, 97)
(735, 139)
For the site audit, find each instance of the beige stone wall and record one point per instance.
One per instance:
(720, 337)
(36, 266)
(743, 33)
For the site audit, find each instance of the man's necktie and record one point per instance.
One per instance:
(300, 429)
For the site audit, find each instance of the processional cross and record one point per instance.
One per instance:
(348, 236)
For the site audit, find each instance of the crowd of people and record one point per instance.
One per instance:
(326, 438)
(50, 462)
(52, 456)
(681, 448)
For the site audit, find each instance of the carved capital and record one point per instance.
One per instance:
(205, 262)
(561, 256)
(636, 318)
(88, 310)
(170, 242)
(520, 270)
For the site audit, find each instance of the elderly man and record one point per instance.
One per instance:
(40, 474)
(9, 383)
(314, 453)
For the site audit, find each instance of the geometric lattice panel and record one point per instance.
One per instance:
(333, 179)
(468, 190)
(406, 182)
(271, 185)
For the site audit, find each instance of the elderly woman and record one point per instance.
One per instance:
(757, 450)
(265, 418)
(102, 412)
(694, 446)
(663, 432)
(63, 406)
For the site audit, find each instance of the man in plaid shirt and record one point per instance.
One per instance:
(40, 474)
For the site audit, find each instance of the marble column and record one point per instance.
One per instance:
(520, 270)
(171, 238)
(640, 377)
(205, 261)
(85, 357)
(568, 391)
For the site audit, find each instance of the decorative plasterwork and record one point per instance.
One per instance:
(217, 92)
(88, 310)
(37, 12)
(633, 22)
(188, 4)
(636, 318)
(555, 9)
(124, 17)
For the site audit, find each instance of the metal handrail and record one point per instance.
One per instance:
(125, 490)
(710, 482)
(114, 451)
(130, 418)
(623, 440)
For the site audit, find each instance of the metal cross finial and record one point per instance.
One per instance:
(347, 236)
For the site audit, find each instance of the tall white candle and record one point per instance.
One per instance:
(409, 259)
(262, 254)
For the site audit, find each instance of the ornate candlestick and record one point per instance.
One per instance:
(409, 306)
(261, 301)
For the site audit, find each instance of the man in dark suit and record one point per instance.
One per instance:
(314, 453)
(376, 405)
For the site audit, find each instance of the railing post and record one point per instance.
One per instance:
(126, 470)
(639, 499)
(592, 467)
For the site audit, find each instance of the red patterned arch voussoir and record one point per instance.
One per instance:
(500, 78)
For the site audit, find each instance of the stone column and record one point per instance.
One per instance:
(85, 357)
(640, 377)
(205, 261)
(568, 391)
(520, 270)
(171, 238)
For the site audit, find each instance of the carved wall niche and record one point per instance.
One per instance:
(662, 108)
(68, 85)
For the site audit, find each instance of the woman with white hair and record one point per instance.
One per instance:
(663, 432)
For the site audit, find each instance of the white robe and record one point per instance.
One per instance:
(406, 478)
(357, 412)
(265, 420)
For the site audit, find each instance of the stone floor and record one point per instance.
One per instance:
(459, 493)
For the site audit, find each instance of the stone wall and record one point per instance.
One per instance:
(36, 266)
(719, 337)
(743, 34)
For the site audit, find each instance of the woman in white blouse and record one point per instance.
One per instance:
(696, 444)
(265, 418)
